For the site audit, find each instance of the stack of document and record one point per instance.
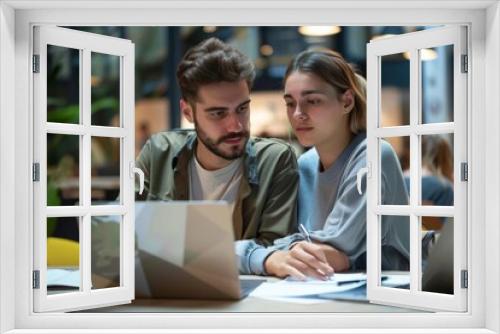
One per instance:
(339, 286)
(63, 278)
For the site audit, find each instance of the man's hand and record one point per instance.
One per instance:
(304, 260)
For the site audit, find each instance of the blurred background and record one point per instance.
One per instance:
(157, 53)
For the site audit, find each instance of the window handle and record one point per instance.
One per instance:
(359, 177)
(134, 170)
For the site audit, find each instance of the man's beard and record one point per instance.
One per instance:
(213, 145)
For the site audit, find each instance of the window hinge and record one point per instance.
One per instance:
(465, 279)
(464, 171)
(36, 279)
(465, 65)
(36, 63)
(36, 172)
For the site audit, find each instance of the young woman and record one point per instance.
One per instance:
(326, 108)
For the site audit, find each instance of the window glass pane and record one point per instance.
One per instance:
(394, 162)
(437, 170)
(63, 85)
(105, 251)
(395, 247)
(437, 254)
(63, 255)
(395, 90)
(105, 90)
(437, 84)
(63, 169)
(105, 170)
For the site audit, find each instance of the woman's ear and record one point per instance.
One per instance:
(186, 110)
(348, 101)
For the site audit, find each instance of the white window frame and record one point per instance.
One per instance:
(86, 44)
(413, 43)
(16, 20)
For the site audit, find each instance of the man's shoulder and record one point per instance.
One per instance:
(273, 153)
(271, 146)
(172, 138)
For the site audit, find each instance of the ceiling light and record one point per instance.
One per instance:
(209, 29)
(266, 50)
(319, 30)
(376, 37)
(425, 54)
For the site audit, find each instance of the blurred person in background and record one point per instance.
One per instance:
(437, 177)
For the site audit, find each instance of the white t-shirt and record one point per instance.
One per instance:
(221, 184)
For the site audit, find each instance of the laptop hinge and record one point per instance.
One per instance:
(464, 279)
(36, 279)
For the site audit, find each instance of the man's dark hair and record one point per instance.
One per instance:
(209, 62)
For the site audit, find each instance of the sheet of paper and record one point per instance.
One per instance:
(359, 294)
(286, 288)
(63, 277)
(396, 280)
(339, 278)
(339, 286)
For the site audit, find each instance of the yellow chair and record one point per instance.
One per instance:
(62, 252)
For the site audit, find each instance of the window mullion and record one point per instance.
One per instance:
(40, 188)
(460, 103)
(127, 230)
(124, 177)
(85, 236)
(415, 172)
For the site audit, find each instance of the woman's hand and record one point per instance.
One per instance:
(335, 258)
(304, 260)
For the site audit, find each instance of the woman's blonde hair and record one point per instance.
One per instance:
(331, 67)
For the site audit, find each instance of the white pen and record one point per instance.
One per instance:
(304, 232)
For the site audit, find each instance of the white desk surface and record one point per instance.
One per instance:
(248, 304)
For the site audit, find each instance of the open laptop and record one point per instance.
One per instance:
(185, 249)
